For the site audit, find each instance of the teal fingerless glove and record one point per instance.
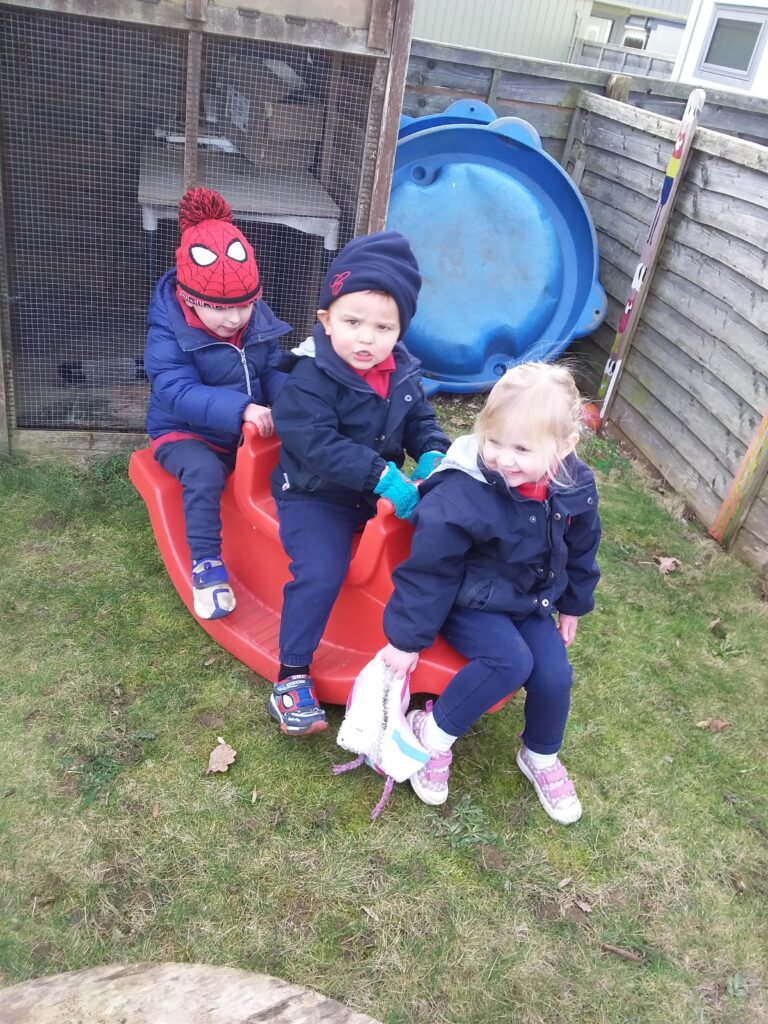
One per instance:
(428, 462)
(398, 489)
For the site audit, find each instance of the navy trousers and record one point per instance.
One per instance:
(317, 537)
(505, 654)
(202, 472)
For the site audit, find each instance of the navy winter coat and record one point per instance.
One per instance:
(201, 385)
(337, 434)
(480, 545)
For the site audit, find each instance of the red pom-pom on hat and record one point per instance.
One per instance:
(199, 204)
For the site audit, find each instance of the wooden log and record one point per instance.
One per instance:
(149, 993)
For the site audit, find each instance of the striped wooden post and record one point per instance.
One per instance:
(649, 254)
(745, 485)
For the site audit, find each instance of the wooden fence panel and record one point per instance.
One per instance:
(695, 388)
(545, 92)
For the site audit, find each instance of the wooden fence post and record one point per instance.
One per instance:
(744, 488)
(617, 87)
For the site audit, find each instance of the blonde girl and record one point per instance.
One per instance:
(503, 566)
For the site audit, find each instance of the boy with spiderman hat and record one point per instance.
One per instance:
(211, 346)
(350, 410)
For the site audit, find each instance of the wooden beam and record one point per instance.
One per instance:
(233, 22)
(380, 25)
(192, 117)
(745, 487)
(390, 118)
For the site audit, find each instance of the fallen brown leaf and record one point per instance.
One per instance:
(155, 812)
(210, 660)
(713, 724)
(583, 905)
(221, 757)
(668, 565)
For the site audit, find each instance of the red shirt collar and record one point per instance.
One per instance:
(377, 377)
(539, 490)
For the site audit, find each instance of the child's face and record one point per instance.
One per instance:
(224, 322)
(520, 458)
(363, 327)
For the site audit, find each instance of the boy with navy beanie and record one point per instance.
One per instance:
(211, 346)
(350, 410)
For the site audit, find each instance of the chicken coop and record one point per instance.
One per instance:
(108, 112)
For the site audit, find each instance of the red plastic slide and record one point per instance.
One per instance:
(258, 568)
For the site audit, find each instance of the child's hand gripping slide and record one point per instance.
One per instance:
(398, 489)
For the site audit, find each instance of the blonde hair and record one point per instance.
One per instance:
(542, 398)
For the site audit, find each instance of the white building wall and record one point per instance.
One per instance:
(695, 38)
(526, 28)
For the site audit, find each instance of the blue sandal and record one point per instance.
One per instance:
(212, 595)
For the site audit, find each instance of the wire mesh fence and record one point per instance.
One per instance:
(93, 131)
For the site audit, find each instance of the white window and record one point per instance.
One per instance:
(733, 45)
(599, 30)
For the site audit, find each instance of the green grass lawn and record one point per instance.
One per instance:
(116, 847)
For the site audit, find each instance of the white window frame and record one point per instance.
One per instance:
(733, 76)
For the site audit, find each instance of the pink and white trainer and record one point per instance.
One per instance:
(430, 783)
(553, 788)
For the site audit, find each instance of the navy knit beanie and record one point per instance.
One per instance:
(382, 262)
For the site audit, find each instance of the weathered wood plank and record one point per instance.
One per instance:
(736, 216)
(705, 312)
(616, 168)
(722, 403)
(730, 179)
(722, 247)
(717, 449)
(743, 124)
(551, 123)
(76, 445)
(642, 386)
(737, 378)
(440, 76)
(716, 280)
(519, 65)
(633, 144)
(746, 154)
(537, 89)
(641, 431)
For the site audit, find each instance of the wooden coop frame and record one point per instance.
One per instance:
(375, 33)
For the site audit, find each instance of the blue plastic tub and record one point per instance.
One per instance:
(506, 247)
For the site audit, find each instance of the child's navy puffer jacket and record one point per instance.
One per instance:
(479, 544)
(337, 434)
(201, 385)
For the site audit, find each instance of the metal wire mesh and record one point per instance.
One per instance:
(92, 123)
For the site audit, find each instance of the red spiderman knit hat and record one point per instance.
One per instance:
(215, 264)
